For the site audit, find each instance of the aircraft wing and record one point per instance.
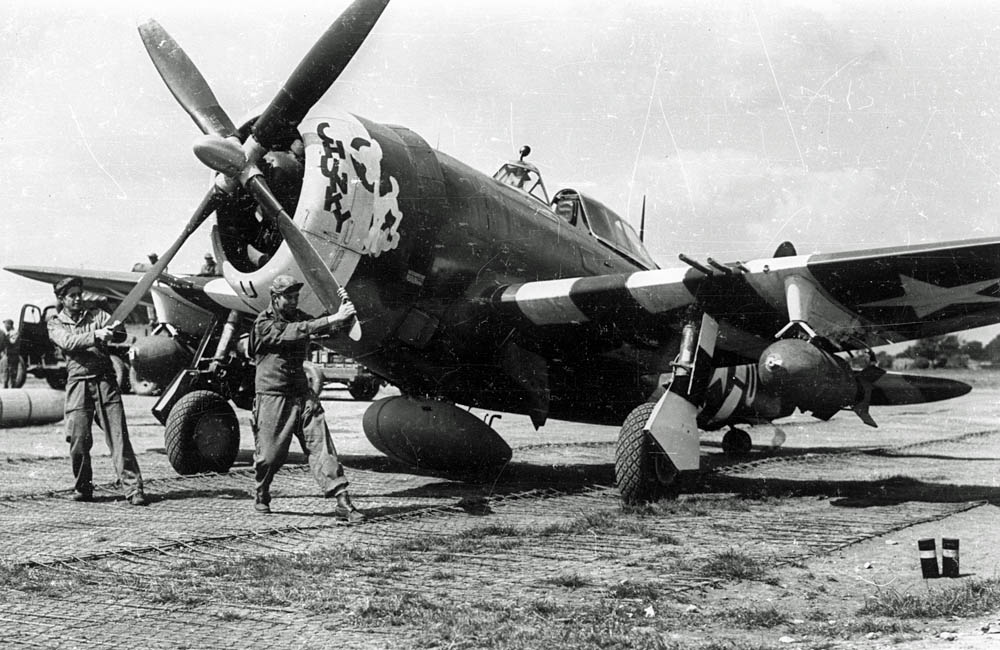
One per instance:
(856, 299)
(115, 285)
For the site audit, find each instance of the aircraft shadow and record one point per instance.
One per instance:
(512, 478)
(471, 490)
(852, 493)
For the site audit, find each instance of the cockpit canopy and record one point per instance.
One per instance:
(577, 210)
(525, 177)
(606, 226)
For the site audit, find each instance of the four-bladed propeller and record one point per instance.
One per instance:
(220, 150)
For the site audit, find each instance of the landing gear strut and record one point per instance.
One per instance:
(658, 446)
(202, 433)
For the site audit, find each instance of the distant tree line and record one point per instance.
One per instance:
(945, 351)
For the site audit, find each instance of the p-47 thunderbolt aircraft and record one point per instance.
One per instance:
(489, 292)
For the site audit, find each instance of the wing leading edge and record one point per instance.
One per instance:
(855, 299)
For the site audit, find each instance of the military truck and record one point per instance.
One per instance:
(327, 367)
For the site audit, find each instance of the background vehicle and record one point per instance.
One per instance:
(326, 367)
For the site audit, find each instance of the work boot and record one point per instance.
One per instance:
(261, 507)
(138, 499)
(347, 510)
(81, 496)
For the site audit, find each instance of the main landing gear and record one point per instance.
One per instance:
(202, 433)
(644, 472)
(658, 447)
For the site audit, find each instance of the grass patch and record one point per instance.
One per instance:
(967, 598)
(172, 593)
(733, 565)
(489, 538)
(670, 508)
(763, 617)
(645, 591)
(440, 574)
(44, 582)
(396, 609)
(570, 580)
(608, 522)
(868, 624)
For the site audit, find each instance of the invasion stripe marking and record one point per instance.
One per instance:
(548, 302)
(661, 290)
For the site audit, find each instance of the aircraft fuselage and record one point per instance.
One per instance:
(421, 241)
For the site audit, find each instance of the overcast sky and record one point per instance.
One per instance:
(834, 125)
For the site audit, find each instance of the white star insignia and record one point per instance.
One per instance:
(926, 298)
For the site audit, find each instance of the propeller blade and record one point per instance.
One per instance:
(318, 70)
(207, 207)
(313, 268)
(185, 81)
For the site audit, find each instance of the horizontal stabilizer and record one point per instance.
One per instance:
(891, 388)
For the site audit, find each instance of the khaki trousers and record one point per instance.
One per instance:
(87, 400)
(276, 418)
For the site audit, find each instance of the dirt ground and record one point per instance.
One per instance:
(826, 523)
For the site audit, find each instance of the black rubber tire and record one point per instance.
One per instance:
(635, 466)
(736, 443)
(57, 379)
(364, 388)
(121, 373)
(202, 434)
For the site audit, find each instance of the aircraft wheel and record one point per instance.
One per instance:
(736, 443)
(364, 388)
(121, 373)
(202, 434)
(642, 472)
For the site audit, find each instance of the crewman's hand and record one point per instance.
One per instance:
(103, 334)
(342, 292)
(343, 315)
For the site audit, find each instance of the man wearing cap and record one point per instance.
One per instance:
(92, 391)
(10, 359)
(208, 268)
(285, 405)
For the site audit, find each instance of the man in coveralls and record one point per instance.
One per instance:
(10, 355)
(285, 405)
(92, 391)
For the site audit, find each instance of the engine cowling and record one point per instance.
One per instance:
(806, 377)
(433, 435)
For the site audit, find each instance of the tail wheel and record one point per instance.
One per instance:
(202, 434)
(364, 388)
(642, 471)
(736, 443)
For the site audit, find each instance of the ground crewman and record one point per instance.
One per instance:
(92, 391)
(208, 268)
(285, 404)
(10, 356)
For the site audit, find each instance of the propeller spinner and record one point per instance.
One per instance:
(220, 150)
